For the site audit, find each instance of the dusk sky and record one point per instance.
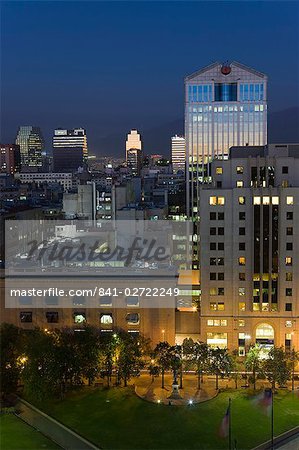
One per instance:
(114, 66)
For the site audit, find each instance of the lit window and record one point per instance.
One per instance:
(241, 323)
(240, 183)
(221, 306)
(213, 291)
(223, 322)
(266, 200)
(219, 170)
(213, 306)
(241, 291)
(79, 317)
(290, 200)
(289, 276)
(241, 200)
(216, 323)
(289, 261)
(256, 200)
(288, 324)
(220, 201)
(256, 306)
(210, 322)
(106, 319)
(240, 169)
(242, 261)
(241, 306)
(213, 201)
(275, 200)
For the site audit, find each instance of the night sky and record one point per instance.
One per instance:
(114, 66)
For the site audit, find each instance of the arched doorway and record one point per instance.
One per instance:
(264, 336)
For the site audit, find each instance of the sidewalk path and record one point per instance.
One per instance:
(56, 431)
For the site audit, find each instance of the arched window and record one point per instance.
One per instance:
(264, 334)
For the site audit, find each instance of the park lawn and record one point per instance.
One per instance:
(17, 435)
(118, 419)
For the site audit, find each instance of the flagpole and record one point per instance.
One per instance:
(272, 419)
(230, 424)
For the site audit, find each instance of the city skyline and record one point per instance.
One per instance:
(66, 93)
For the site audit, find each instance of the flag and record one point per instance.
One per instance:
(224, 426)
(264, 400)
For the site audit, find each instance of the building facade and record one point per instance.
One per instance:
(249, 269)
(225, 106)
(178, 153)
(134, 153)
(10, 158)
(31, 143)
(70, 149)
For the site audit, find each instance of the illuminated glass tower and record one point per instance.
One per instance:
(225, 106)
(31, 145)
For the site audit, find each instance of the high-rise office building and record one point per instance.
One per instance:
(134, 160)
(133, 140)
(71, 138)
(31, 145)
(134, 152)
(9, 158)
(178, 153)
(70, 149)
(225, 106)
(249, 221)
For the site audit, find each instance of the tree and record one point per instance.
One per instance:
(175, 360)
(253, 363)
(154, 371)
(129, 360)
(293, 358)
(276, 367)
(162, 355)
(12, 357)
(108, 344)
(40, 373)
(236, 367)
(197, 356)
(220, 363)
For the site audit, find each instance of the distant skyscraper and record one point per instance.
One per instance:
(134, 153)
(178, 153)
(9, 158)
(134, 160)
(70, 149)
(71, 138)
(225, 106)
(31, 145)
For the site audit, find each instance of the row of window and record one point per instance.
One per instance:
(220, 231)
(242, 261)
(131, 301)
(240, 170)
(220, 246)
(257, 200)
(80, 317)
(241, 290)
(219, 306)
(226, 92)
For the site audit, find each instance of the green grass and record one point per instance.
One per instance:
(127, 422)
(17, 435)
